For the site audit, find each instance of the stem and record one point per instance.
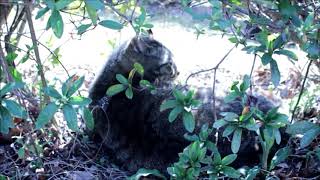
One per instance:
(265, 152)
(36, 50)
(301, 91)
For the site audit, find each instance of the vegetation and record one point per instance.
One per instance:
(264, 28)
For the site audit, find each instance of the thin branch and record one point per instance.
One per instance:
(211, 69)
(252, 67)
(302, 90)
(36, 49)
(4, 65)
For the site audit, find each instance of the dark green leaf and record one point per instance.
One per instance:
(275, 73)
(229, 129)
(122, 79)
(277, 135)
(230, 172)
(229, 116)
(5, 120)
(280, 156)
(50, 91)
(300, 127)
(88, 118)
(146, 172)
(139, 68)
(56, 23)
(236, 140)
(129, 92)
(21, 153)
(219, 123)
(95, 4)
(288, 53)
(111, 24)
(92, 12)
(252, 173)
(74, 86)
(266, 58)
(10, 87)
(115, 89)
(228, 159)
(70, 115)
(245, 84)
(178, 95)
(61, 4)
(174, 113)
(168, 104)
(79, 100)
(83, 28)
(188, 121)
(231, 97)
(309, 136)
(15, 109)
(46, 115)
(42, 12)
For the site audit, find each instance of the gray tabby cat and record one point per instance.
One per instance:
(134, 132)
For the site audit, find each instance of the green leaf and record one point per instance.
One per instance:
(228, 159)
(92, 12)
(115, 89)
(21, 153)
(129, 92)
(74, 86)
(56, 23)
(111, 24)
(79, 100)
(300, 127)
(42, 12)
(10, 87)
(174, 113)
(50, 91)
(229, 116)
(122, 79)
(15, 109)
(229, 129)
(5, 120)
(70, 115)
(168, 104)
(236, 140)
(219, 123)
(246, 83)
(266, 58)
(275, 73)
(139, 68)
(140, 20)
(288, 53)
(277, 135)
(83, 28)
(46, 115)
(88, 118)
(188, 121)
(252, 173)
(146, 172)
(280, 156)
(95, 4)
(230, 172)
(309, 136)
(61, 4)
(178, 95)
(231, 97)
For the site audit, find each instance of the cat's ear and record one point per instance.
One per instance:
(140, 43)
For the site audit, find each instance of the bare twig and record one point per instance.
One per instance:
(36, 49)
(4, 65)
(301, 91)
(254, 62)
